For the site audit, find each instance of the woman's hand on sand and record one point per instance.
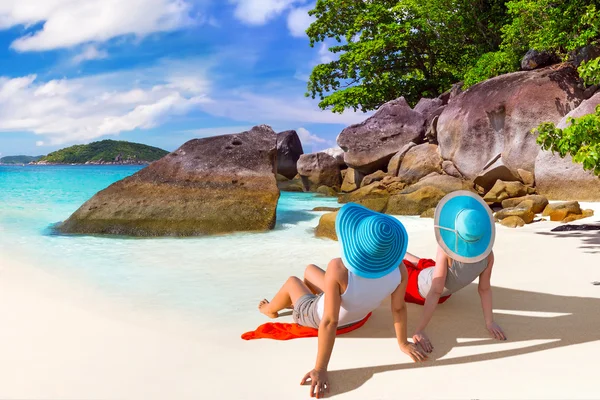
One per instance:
(319, 383)
(496, 331)
(413, 352)
(422, 340)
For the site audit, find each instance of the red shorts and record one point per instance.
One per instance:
(412, 289)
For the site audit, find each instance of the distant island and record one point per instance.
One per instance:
(105, 152)
(10, 160)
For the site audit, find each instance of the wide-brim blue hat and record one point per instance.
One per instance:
(373, 244)
(464, 226)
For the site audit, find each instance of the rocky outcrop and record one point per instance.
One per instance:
(561, 178)
(214, 185)
(505, 190)
(419, 162)
(352, 180)
(338, 154)
(289, 150)
(560, 211)
(450, 169)
(534, 59)
(497, 115)
(374, 177)
(445, 183)
(319, 169)
(538, 203)
(326, 227)
(495, 170)
(428, 106)
(373, 196)
(370, 145)
(415, 203)
(522, 211)
(396, 160)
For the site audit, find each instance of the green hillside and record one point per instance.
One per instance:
(105, 150)
(18, 159)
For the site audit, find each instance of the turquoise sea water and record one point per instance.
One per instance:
(204, 276)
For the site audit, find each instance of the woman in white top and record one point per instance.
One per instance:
(370, 269)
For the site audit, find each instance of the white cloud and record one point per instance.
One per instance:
(308, 138)
(67, 23)
(259, 12)
(78, 110)
(275, 108)
(90, 52)
(325, 56)
(298, 21)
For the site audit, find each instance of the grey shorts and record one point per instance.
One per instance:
(305, 311)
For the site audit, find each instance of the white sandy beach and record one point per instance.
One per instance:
(63, 340)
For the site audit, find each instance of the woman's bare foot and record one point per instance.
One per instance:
(264, 308)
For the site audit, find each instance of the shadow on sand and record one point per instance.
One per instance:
(590, 240)
(574, 320)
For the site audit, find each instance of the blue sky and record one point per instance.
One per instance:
(159, 72)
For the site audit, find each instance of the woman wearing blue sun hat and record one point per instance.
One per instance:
(370, 269)
(465, 232)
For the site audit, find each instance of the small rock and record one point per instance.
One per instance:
(526, 177)
(294, 185)
(450, 169)
(419, 162)
(396, 160)
(539, 202)
(374, 177)
(429, 213)
(596, 283)
(415, 203)
(588, 213)
(326, 227)
(568, 228)
(374, 196)
(505, 190)
(513, 222)
(327, 191)
(560, 211)
(524, 213)
(495, 170)
(352, 180)
(534, 59)
(328, 209)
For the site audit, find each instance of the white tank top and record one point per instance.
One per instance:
(362, 296)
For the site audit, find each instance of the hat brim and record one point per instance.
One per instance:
(361, 264)
(445, 216)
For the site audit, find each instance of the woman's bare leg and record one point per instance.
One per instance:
(289, 294)
(314, 279)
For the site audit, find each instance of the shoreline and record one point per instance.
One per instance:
(64, 339)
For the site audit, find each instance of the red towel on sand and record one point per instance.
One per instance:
(282, 331)
(412, 289)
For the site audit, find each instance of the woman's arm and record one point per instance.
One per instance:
(399, 314)
(327, 329)
(485, 293)
(431, 301)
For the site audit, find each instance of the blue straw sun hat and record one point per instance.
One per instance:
(464, 227)
(373, 244)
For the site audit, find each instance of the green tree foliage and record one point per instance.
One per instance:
(581, 139)
(106, 150)
(18, 159)
(389, 48)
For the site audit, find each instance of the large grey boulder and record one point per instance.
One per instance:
(496, 117)
(370, 145)
(289, 150)
(215, 185)
(562, 179)
(319, 169)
